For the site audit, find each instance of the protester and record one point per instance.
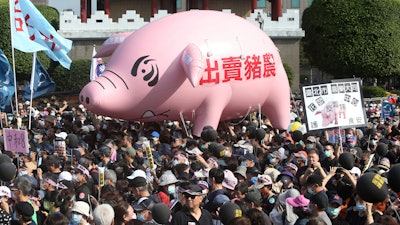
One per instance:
(273, 176)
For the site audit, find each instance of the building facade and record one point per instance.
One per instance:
(91, 22)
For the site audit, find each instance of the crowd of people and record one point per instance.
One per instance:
(87, 169)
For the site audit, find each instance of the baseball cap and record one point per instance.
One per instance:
(355, 170)
(62, 135)
(335, 198)
(137, 173)
(145, 204)
(250, 157)
(193, 189)
(254, 196)
(301, 154)
(263, 180)
(311, 139)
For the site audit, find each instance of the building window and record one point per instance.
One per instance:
(310, 2)
(179, 4)
(295, 4)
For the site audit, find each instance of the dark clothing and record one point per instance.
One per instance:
(82, 193)
(327, 163)
(339, 221)
(210, 206)
(184, 217)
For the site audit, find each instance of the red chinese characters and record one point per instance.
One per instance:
(237, 69)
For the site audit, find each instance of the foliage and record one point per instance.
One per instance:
(353, 37)
(289, 73)
(73, 79)
(373, 91)
(23, 61)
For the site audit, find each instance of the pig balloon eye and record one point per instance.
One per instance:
(154, 72)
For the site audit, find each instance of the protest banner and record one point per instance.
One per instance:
(332, 105)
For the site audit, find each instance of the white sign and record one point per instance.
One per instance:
(331, 105)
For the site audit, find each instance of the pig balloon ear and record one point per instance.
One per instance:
(192, 62)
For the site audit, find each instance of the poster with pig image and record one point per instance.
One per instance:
(336, 104)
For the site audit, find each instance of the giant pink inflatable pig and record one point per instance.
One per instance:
(204, 65)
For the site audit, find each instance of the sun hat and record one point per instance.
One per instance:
(298, 201)
(167, 178)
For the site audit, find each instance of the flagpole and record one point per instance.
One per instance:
(31, 87)
(13, 59)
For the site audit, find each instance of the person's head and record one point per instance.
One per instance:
(53, 163)
(314, 183)
(80, 212)
(139, 186)
(143, 210)
(310, 142)
(56, 219)
(335, 205)
(110, 177)
(193, 196)
(241, 189)
(256, 217)
(103, 215)
(319, 202)
(24, 211)
(313, 156)
(216, 175)
(253, 198)
(123, 213)
(21, 187)
(329, 150)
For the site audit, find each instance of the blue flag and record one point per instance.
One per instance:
(41, 85)
(7, 88)
(32, 32)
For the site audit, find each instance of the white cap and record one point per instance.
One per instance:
(137, 173)
(62, 135)
(355, 170)
(65, 175)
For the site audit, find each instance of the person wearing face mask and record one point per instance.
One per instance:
(351, 141)
(143, 211)
(334, 208)
(80, 213)
(331, 158)
(264, 184)
(358, 213)
(167, 186)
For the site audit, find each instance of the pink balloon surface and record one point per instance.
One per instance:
(204, 65)
(111, 43)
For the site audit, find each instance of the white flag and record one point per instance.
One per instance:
(97, 66)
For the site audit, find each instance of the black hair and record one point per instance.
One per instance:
(217, 174)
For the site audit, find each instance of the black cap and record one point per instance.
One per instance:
(146, 204)
(217, 149)
(138, 182)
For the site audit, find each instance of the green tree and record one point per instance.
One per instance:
(353, 37)
(289, 73)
